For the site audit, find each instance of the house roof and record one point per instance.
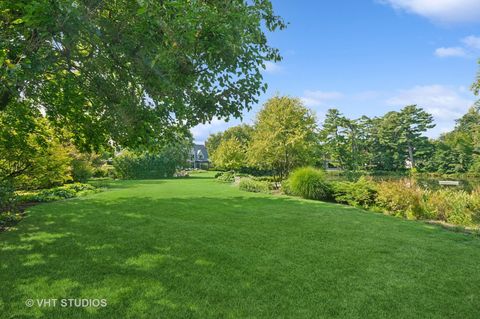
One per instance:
(200, 149)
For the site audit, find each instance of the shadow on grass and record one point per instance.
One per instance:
(216, 257)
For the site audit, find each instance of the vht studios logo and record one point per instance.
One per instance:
(66, 303)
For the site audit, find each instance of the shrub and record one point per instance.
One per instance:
(82, 170)
(226, 177)
(474, 204)
(360, 193)
(130, 165)
(401, 198)
(309, 183)
(31, 151)
(9, 213)
(9, 218)
(6, 195)
(250, 185)
(451, 206)
(104, 171)
(269, 179)
(78, 187)
(58, 193)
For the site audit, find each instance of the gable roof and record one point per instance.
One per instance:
(200, 148)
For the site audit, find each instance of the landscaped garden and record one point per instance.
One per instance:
(197, 248)
(183, 159)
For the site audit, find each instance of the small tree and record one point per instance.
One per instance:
(241, 133)
(284, 137)
(31, 153)
(230, 155)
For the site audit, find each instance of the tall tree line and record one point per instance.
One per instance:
(285, 135)
(392, 142)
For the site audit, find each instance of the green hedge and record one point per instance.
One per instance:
(130, 165)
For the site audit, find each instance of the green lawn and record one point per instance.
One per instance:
(195, 248)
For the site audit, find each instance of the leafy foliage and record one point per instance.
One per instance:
(360, 193)
(7, 199)
(309, 183)
(164, 163)
(228, 149)
(459, 151)
(31, 152)
(134, 72)
(251, 185)
(451, 206)
(401, 198)
(284, 136)
(382, 143)
(58, 193)
(242, 133)
(82, 170)
(226, 177)
(230, 155)
(146, 165)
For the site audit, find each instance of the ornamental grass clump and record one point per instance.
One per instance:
(309, 183)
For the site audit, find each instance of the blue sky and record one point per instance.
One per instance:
(373, 56)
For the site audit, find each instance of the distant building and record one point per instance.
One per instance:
(199, 157)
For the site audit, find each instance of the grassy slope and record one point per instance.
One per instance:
(199, 249)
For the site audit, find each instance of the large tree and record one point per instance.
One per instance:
(458, 151)
(400, 138)
(134, 72)
(285, 136)
(414, 122)
(342, 141)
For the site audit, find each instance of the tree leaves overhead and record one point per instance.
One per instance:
(134, 72)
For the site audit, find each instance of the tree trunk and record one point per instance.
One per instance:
(410, 155)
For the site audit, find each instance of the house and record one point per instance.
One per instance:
(199, 157)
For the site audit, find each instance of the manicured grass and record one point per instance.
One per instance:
(196, 248)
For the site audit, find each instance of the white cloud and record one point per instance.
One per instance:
(271, 67)
(472, 42)
(470, 48)
(445, 103)
(450, 52)
(318, 98)
(443, 11)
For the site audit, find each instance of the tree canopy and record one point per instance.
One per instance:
(228, 149)
(285, 136)
(134, 72)
(230, 154)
